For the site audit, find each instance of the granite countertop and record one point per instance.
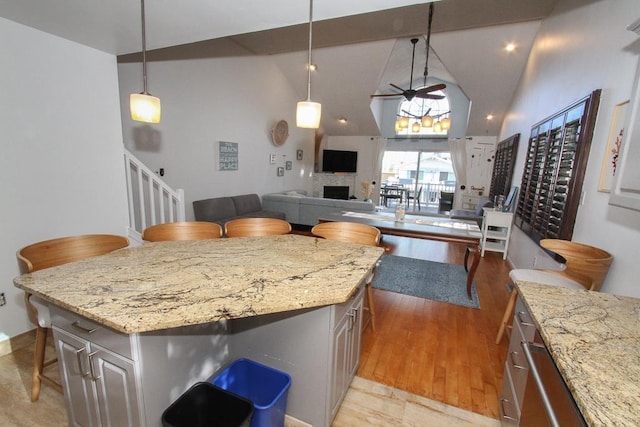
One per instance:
(171, 284)
(594, 338)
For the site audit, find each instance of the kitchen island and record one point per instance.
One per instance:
(594, 340)
(152, 320)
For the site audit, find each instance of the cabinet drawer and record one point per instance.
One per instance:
(516, 365)
(523, 319)
(91, 331)
(509, 412)
(341, 309)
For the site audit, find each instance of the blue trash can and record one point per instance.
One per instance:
(264, 386)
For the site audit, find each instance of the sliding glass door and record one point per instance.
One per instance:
(416, 178)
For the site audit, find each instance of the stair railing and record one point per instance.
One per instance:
(151, 200)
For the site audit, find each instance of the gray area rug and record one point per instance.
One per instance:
(425, 279)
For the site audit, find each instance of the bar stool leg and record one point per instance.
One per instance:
(508, 313)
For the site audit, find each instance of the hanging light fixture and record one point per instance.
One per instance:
(308, 112)
(144, 106)
(428, 121)
(415, 127)
(403, 122)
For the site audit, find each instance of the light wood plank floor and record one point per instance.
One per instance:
(437, 350)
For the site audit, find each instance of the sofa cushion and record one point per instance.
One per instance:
(246, 203)
(214, 210)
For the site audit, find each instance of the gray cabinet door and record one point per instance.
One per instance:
(116, 388)
(76, 379)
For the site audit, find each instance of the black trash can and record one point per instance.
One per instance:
(205, 405)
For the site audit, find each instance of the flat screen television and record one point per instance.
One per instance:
(339, 161)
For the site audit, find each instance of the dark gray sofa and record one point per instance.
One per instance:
(223, 209)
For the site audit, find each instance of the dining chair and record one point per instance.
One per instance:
(414, 196)
(445, 202)
(245, 227)
(51, 253)
(351, 232)
(585, 267)
(187, 230)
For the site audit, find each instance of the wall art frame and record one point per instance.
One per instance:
(611, 156)
(227, 156)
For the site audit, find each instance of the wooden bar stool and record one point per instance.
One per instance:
(351, 232)
(51, 253)
(246, 227)
(188, 230)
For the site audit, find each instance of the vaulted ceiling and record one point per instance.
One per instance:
(360, 46)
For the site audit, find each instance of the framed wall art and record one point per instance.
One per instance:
(289, 165)
(299, 154)
(612, 153)
(280, 171)
(227, 156)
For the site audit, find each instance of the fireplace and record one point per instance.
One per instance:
(336, 192)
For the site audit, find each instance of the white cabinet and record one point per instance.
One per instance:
(100, 384)
(496, 231)
(347, 334)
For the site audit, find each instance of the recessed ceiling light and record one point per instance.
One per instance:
(489, 116)
(342, 120)
(313, 67)
(510, 47)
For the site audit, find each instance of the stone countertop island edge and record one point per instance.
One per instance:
(594, 339)
(194, 282)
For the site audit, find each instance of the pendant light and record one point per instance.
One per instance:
(308, 112)
(144, 106)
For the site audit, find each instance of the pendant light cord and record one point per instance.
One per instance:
(309, 59)
(426, 63)
(144, 50)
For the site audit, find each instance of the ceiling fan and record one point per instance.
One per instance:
(411, 93)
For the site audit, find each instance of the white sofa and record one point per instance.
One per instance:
(304, 210)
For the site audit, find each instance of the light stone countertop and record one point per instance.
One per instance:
(594, 338)
(171, 284)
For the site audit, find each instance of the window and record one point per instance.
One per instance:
(417, 108)
(554, 170)
(431, 171)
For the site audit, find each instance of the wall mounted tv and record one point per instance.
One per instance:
(339, 161)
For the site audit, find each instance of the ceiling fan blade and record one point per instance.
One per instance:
(397, 87)
(428, 96)
(432, 88)
(388, 94)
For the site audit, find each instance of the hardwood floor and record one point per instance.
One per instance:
(441, 351)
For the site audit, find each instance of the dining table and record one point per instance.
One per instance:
(428, 227)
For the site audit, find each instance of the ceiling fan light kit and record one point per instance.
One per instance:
(144, 106)
(308, 113)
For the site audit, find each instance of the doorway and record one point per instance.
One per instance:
(418, 177)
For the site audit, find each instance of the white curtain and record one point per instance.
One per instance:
(380, 145)
(458, 149)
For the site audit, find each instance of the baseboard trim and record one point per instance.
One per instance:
(17, 342)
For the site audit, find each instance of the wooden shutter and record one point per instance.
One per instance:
(504, 161)
(554, 169)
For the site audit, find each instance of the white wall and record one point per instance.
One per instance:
(205, 101)
(62, 165)
(574, 53)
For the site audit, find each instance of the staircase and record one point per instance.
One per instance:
(151, 200)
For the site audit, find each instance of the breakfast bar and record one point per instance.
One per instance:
(150, 321)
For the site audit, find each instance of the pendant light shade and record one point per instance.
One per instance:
(308, 113)
(446, 123)
(415, 127)
(144, 106)
(427, 121)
